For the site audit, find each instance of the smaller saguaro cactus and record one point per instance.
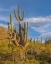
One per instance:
(11, 24)
(10, 28)
(25, 31)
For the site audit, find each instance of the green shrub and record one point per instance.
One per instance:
(31, 62)
(44, 62)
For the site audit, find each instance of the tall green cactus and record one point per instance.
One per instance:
(11, 24)
(19, 19)
(25, 31)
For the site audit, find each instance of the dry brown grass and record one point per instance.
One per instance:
(3, 33)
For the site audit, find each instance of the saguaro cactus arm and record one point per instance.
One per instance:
(18, 17)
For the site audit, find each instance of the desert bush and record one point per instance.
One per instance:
(44, 62)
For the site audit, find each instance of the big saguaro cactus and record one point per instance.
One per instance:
(19, 19)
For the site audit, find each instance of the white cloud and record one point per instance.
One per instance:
(45, 35)
(39, 21)
(40, 24)
(43, 29)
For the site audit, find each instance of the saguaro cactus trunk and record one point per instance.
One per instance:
(20, 33)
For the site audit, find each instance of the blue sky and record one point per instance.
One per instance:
(37, 13)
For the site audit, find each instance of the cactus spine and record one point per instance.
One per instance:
(19, 19)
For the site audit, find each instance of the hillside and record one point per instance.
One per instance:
(34, 53)
(3, 33)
